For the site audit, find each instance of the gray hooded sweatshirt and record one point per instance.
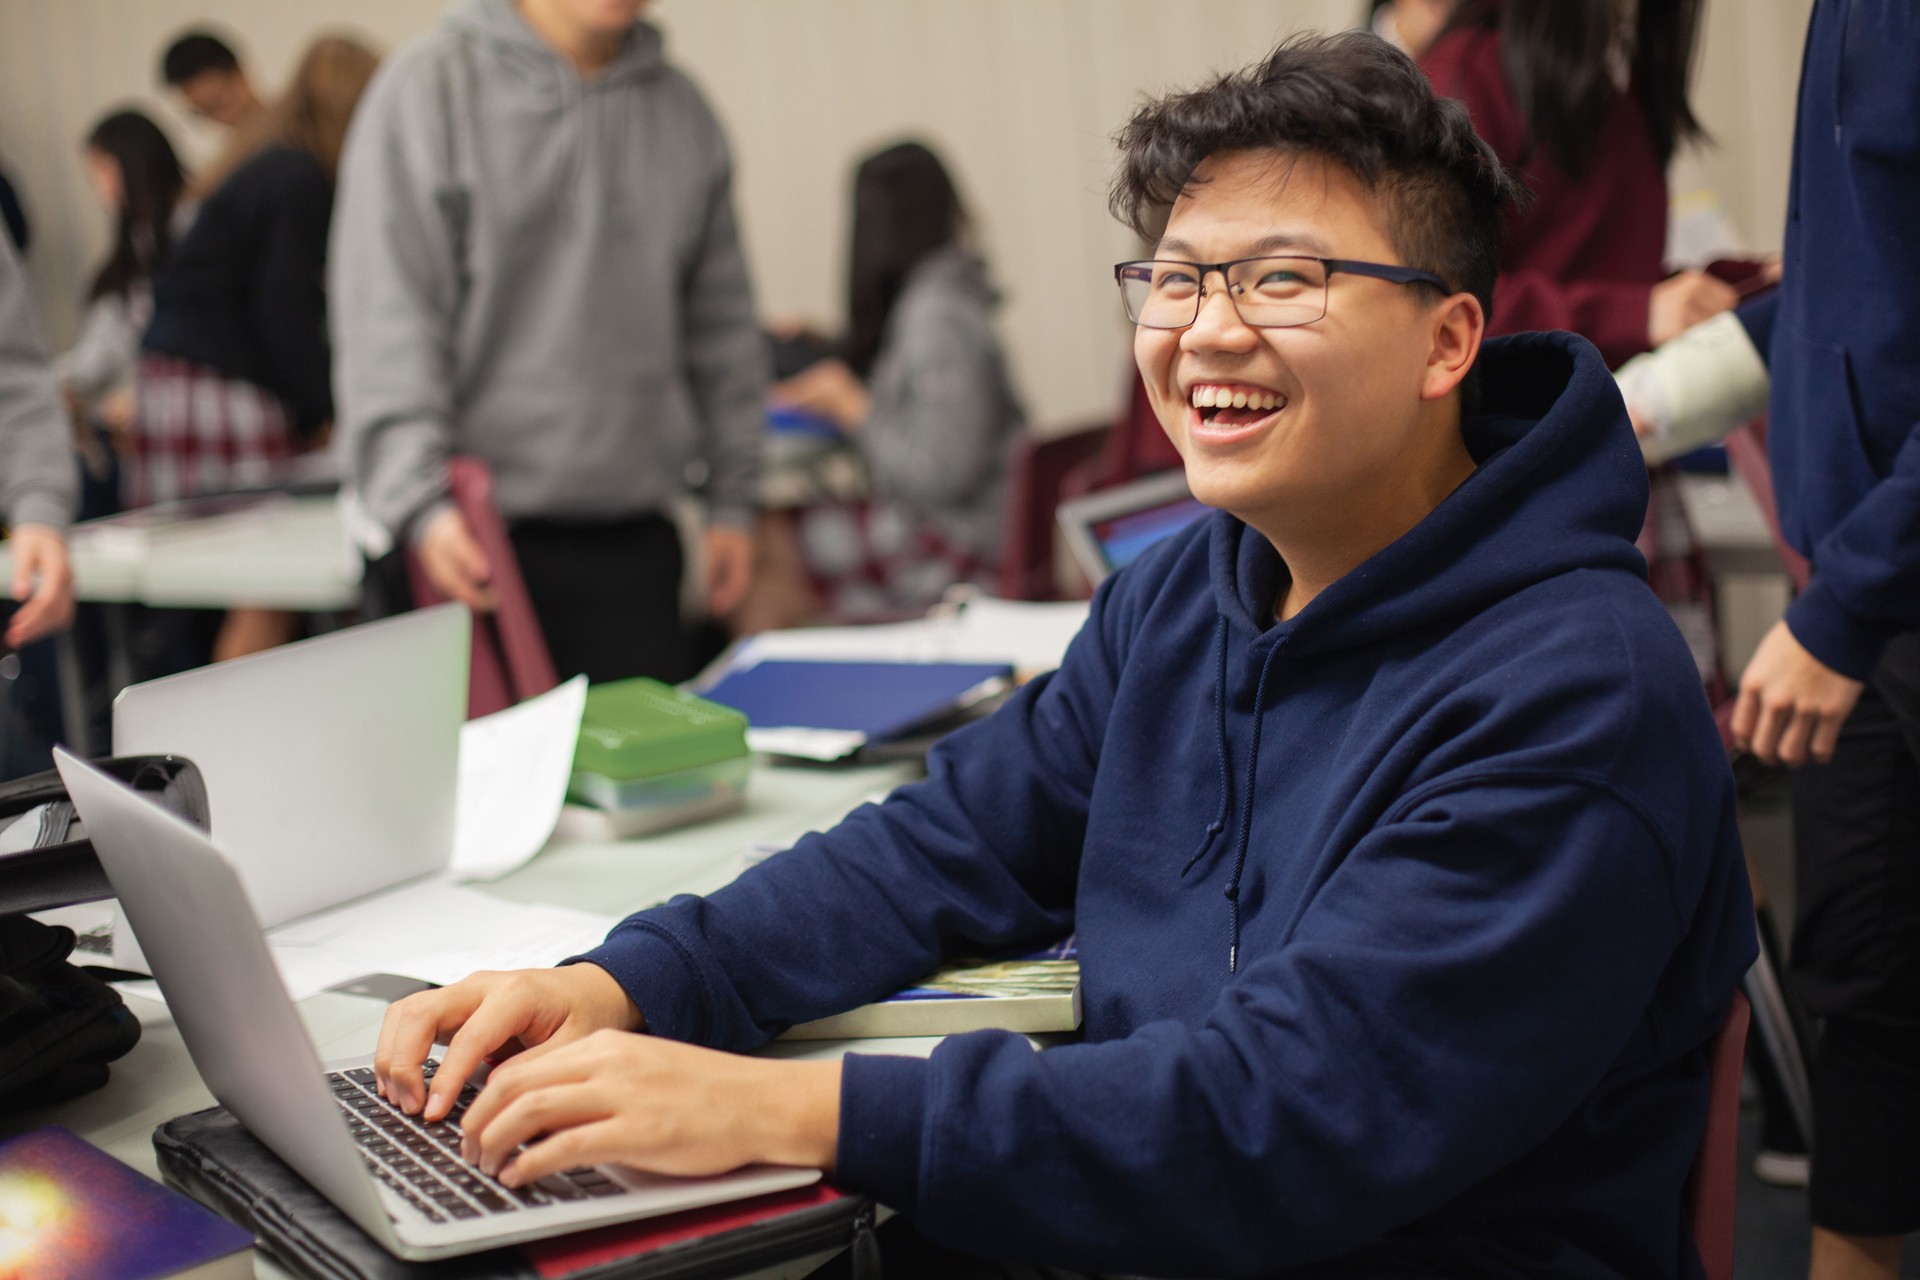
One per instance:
(39, 483)
(943, 408)
(543, 271)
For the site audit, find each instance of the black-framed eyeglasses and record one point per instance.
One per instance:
(1269, 293)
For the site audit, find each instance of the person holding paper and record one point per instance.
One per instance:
(1384, 803)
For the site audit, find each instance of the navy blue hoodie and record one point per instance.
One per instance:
(1844, 434)
(1402, 923)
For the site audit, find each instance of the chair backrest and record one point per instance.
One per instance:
(1036, 470)
(1710, 1190)
(510, 660)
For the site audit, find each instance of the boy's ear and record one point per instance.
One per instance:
(1459, 324)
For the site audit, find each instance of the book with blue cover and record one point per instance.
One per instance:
(878, 700)
(70, 1211)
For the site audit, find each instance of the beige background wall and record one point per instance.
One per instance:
(1020, 95)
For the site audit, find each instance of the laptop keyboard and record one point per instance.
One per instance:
(421, 1162)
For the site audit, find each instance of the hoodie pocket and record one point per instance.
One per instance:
(1821, 404)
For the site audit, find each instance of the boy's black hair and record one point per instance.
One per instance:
(1355, 100)
(194, 53)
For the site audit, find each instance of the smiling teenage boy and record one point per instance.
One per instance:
(1385, 803)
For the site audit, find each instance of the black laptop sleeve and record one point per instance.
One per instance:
(211, 1156)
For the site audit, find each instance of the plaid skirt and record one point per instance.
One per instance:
(197, 431)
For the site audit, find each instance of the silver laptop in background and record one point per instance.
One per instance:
(330, 763)
(1108, 529)
(204, 943)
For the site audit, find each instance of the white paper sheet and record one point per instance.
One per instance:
(434, 930)
(514, 766)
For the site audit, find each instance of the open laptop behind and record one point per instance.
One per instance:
(401, 1181)
(1109, 529)
(331, 764)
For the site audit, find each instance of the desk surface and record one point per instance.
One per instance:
(282, 553)
(157, 1080)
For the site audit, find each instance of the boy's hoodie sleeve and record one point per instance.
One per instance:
(393, 295)
(1445, 1004)
(1866, 587)
(979, 857)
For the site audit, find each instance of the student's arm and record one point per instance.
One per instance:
(39, 481)
(1809, 670)
(394, 294)
(288, 299)
(1447, 1000)
(934, 431)
(981, 855)
(726, 356)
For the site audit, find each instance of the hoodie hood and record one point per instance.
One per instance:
(1559, 485)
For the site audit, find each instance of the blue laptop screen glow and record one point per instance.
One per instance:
(1124, 539)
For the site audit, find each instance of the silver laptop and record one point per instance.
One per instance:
(401, 1181)
(330, 764)
(1110, 528)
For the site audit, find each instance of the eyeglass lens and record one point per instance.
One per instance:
(1270, 293)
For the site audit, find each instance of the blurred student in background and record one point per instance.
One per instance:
(204, 70)
(536, 262)
(1408, 25)
(923, 391)
(1587, 99)
(138, 179)
(235, 375)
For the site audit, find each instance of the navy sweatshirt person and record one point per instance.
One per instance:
(1385, 803)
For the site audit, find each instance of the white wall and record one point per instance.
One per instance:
(1020, 95)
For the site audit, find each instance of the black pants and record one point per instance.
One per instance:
(1856, 955)
(607, 595)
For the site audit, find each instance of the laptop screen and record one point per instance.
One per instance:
(1114, 527)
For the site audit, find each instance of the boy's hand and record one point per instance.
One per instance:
(42, 583)
(658, 1105)
(1791, 704)
(525, 1010)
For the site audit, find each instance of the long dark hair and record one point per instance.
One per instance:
(150, 182)
(904, 207)
(1554, 53)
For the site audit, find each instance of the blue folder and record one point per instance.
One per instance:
(880, 699)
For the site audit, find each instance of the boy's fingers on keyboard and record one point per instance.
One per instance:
(502, 1016)
(548, 1108)
(407, 1037)
(585, 1145)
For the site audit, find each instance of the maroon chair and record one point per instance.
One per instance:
(1710, 1188)
(510, 660)
(1036, 470)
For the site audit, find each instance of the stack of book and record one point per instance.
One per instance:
(651, 757)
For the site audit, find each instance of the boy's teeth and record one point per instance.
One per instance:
(1209, 397)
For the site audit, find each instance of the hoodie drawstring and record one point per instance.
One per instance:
(1246, 809)
(1220, 747)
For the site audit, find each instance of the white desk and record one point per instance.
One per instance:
(157, 1080)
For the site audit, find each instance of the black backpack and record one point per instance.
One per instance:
(60, 1025)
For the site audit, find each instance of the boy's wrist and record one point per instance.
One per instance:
(805, 1111)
